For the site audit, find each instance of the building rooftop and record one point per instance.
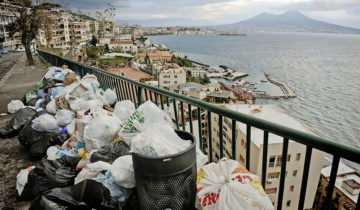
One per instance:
(173, 70)
(347, 175)
(121, 42)
(129, 72)
(222, 94)
(191, 86)
(271, 113)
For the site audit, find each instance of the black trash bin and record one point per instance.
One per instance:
(167, 182)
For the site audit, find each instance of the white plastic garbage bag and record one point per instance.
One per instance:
(144, 116)
(64, 117)
(91, 80)
(14, 106)
(228, 185)
(201, 159)
(46, 123)
(76, 103)
(71, 127)
(22, 179)
(51, 107)
(100, 131)
(92, 170)
(158, 140)
(110, 96)
(123, 109)
(54, 153)
(81, 121)
(122, 171)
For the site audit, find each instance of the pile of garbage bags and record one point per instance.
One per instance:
(85, 138)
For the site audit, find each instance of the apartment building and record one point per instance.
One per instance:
(192, 89)
(172, 76)
(197, 72)
(346, 191)
(94, 27)
(295, 158)
(8, 14)
(79, 32)
(157, 56)
(125, 46)
(58, 34)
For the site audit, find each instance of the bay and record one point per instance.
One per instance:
(323, 69)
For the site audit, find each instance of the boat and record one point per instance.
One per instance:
(263, 80)
(251, 83)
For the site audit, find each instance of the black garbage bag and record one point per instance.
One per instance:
(87, 194)
(17, 122)
(109, 153)
(48, 84)
(32, 102)
(37, 142)
(50, 174)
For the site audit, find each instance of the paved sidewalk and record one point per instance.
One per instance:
(13, 85)
(18, 80)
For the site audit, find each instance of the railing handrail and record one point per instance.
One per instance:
(331, 147)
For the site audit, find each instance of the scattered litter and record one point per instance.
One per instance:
(14, 106)
(233, 186)
(17, 122)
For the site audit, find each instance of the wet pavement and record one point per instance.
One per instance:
(15, 80)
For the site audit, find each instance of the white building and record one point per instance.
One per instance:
(124, 45)
(7, 15)
(197, 72)
(191, 89)
(123, 37)
(172, 76)
(295, 158)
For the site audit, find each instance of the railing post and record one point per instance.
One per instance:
(140, 95)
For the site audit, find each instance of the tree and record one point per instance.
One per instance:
(94, 40)
(30, 18)
(104, 18)
(106, 48)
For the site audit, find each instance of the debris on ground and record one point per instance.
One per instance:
(87, 142)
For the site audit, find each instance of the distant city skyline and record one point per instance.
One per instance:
(214, 12)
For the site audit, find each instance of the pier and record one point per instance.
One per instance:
(288, 91)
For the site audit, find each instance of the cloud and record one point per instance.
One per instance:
(322, 5)
(212, 12)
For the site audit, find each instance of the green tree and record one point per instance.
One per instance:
(94, 40)
(106, 48)
(31, 16)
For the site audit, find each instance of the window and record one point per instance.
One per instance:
(279, 160)
(242, 142)
(271, 190)
(175, 76)
(294, 172)
(291, 188)
(288, 203)
(273, 175)
(288, 158)
(271, 161)
(175, 82)
(298, 156)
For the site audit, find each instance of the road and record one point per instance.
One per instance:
(7, 61)
(15, 80)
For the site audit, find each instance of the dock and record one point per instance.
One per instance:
(288, 91)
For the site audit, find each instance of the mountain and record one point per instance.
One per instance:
(291, 21)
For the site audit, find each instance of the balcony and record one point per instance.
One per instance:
(138, 92)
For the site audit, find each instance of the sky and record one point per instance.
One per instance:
(215, 12)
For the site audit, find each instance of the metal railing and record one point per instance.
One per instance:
(137, 91)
